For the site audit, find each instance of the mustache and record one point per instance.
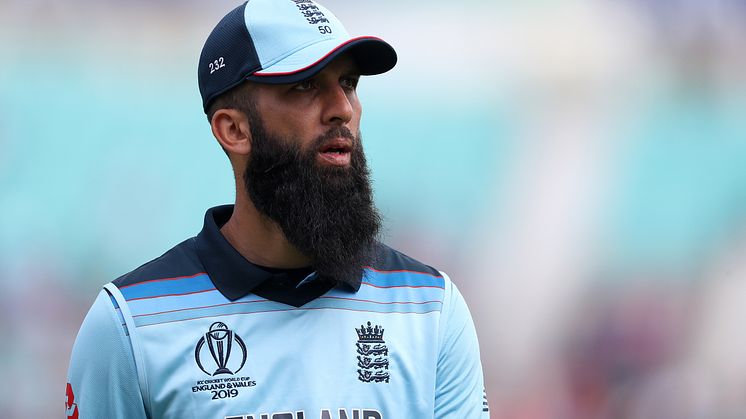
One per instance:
(317, 143)
(333, 133)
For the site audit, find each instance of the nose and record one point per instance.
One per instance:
(338, 106)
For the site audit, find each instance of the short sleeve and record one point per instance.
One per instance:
(459, 383)
(102, 377)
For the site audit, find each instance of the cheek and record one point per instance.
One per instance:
(357, 110)
(290, 126)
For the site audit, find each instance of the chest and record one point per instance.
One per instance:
(328, 362)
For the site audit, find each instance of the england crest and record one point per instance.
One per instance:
(372, 358)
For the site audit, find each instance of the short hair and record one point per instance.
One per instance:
(240, 98)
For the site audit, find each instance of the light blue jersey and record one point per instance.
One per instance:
(200, 333)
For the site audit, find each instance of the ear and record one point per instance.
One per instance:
(231, 128)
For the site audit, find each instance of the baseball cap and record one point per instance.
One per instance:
(281, 41)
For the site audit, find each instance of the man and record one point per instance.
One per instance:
(284, 306)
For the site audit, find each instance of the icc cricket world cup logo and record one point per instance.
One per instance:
(220, 340)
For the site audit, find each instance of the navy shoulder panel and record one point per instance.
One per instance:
(388, 259)
(181, 260)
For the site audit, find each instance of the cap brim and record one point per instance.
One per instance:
(372, 56)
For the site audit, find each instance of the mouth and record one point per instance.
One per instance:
(336, 152)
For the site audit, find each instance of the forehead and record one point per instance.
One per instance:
(343, 65)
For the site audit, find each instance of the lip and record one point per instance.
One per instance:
(336, 152)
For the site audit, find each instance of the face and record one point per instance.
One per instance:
(310, 175)
(312, 108)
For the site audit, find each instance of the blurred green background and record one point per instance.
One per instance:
(576, 166)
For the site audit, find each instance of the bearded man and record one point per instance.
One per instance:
(285, 305)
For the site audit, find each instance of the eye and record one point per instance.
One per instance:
(304, 85)
(349, 82)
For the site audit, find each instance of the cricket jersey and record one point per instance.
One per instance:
(201, 332)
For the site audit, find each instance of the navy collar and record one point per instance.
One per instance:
(235, 277)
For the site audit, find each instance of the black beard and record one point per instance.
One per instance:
(327, 213)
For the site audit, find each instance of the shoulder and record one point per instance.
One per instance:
(392, 267)
(178, 262)
(388, 259)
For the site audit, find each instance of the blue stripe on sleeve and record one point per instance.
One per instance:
(402, 279)
(169, 286)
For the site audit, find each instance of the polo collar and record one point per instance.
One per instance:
(235, 277)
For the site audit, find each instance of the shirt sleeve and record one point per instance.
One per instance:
(102, 378)
(459, 383)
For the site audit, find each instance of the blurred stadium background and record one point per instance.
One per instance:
(577, 166)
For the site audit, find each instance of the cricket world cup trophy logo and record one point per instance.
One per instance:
(216, 351)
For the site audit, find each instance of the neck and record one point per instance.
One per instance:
(259, 239)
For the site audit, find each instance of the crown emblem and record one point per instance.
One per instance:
(370, 334)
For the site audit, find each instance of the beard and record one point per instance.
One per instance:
(325, 212)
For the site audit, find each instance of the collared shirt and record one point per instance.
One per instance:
(235, 277)
(201, 332)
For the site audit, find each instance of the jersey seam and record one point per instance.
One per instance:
(137, 353)
(447, 295)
